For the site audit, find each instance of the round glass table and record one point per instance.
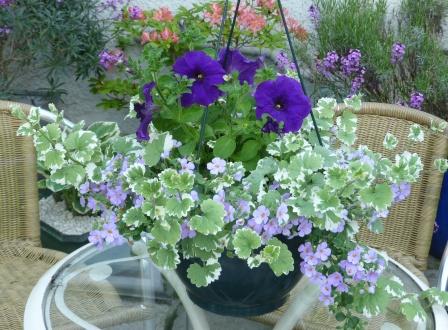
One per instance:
(120, 288)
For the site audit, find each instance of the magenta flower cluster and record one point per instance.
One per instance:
(5, 3)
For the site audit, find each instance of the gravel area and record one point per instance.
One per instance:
(56, 215)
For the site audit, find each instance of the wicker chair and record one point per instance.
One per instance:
(22, 260)
(409, 227)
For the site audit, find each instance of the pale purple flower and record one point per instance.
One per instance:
(335, 279)
(282, 214)
(244, 206)
(84, 188)
(283, 62)
(220, 197)
(371, 256)
(217, 166)
(116, 195)
(5, 30)
(82, 201)
(238, 176)
(400, 191)
(307, 269)
(323, 252)
(326, 289)
(194, 195)
(186, 166)
(371, 289)
(397, 52)
(111, 234)
(96, 237)
(305, 227)
(305, 249)
(261, 215)
(351, 269)
(91, 203)
(138, 201)
(354, 256)
(359, 276)
(342, 288)
(229, 212)
(372, 276)
(416, 100)
(317, 278)
(186, 230)
(257, 227)
(312, 259)
(326, 300)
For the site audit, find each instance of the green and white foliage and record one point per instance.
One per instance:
(221, 209)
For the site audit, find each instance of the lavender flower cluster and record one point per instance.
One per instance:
(361, 267)
(397, 53)
(109, 59)
(5, 3)
(349, 66)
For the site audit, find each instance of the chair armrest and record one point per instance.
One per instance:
(443, 271)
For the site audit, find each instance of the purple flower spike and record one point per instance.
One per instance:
(237, 62)
(397, 52)
(144, 112)
(284, 101)
(417, 100)
(207, 74)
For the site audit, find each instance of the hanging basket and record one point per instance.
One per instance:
(241, 291)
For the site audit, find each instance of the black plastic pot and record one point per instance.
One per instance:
(54, 239)
(241, 291)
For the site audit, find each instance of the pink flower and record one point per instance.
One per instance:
(214, 16)
(268, 4)
(168, 35)
(163, 14)
(144, 38)
(297, 29)
(249, 19)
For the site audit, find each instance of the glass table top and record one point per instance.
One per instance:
(116, 289)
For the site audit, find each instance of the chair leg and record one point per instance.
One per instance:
(305, 298)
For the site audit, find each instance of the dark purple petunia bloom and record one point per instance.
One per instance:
(206, 72)
(271, 126)
(144, 112)
(284, 101)
(237, 62)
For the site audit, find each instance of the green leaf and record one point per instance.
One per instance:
(153, 150)
(125, 145)
(203, 275)
(177, 208)
(164, 256)
(148, 188)
(392, 285)
(245, 241)
(54, 159)
(284, 263)
(72, 175)
(55, 187)
(105, 130)
(134, 217)
(224, 146)
(249, 150)
(211, 222)
(204, 242)
(380, 196)
(270, 253)
(336, 177)
(135, 174)
(167, 231)
(81, 145)
(412, 309)
(390, 141)
(191, 115)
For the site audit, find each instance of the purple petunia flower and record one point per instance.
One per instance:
(271, 126)
(284, 101)
(206, 73)
(144, 112)
(416, 100)
(397, 53)
(237, 62)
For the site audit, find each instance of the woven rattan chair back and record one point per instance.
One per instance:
(19, 212)
(409, 227)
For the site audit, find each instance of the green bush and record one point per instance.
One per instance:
(365, 25)
(50, 35)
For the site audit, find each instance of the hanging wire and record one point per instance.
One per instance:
(296, 65)
(226, 53)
